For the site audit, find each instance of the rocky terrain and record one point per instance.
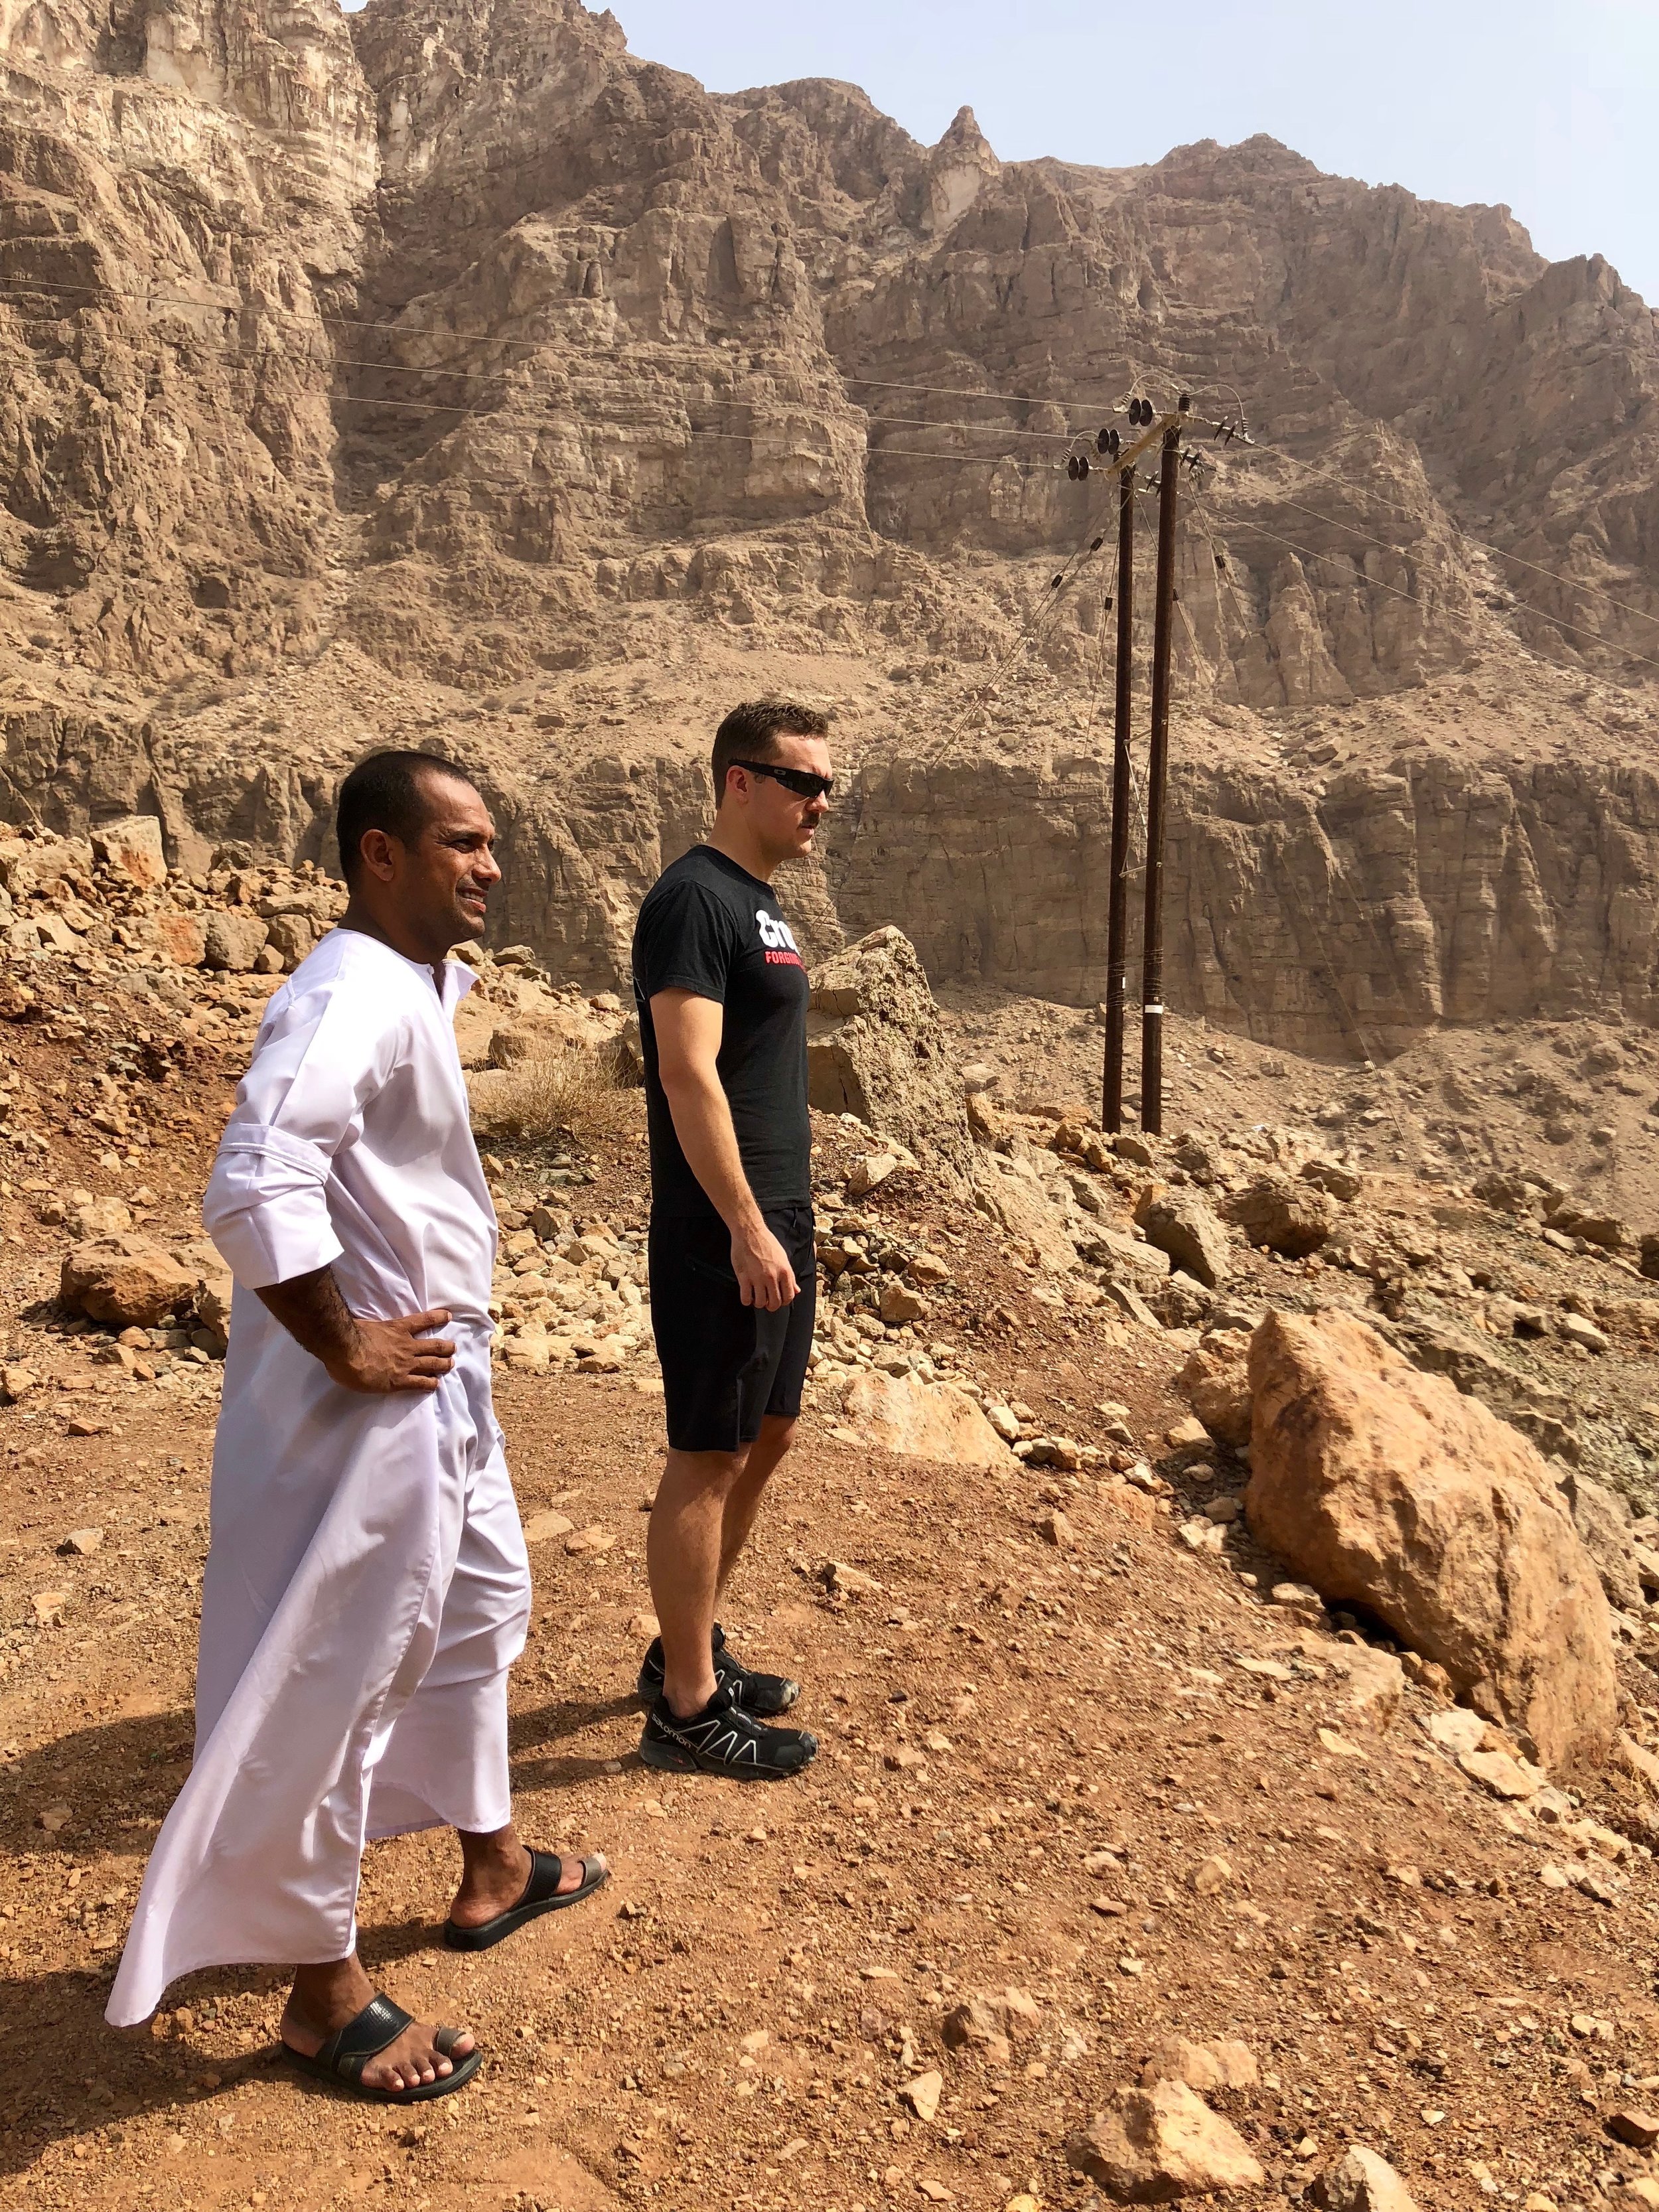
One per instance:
(448, 373)
(1224, 1571)
(1224, 1568)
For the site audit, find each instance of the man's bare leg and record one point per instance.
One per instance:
(683, 1556)
(743, 1503)
(494, 1871)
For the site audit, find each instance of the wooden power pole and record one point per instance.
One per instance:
(1158, 775)
(1117, 912)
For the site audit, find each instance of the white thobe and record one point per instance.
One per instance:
(367, 1584)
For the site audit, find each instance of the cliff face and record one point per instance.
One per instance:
(447, 374)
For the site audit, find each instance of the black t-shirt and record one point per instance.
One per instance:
(709, 927)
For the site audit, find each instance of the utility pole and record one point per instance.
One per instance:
(1157, 772)
(1117, 922)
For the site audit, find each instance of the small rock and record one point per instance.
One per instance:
(1504, 1775)
(1456, 1729)
(1216, 1383)
(1186, 1433)
(1004, 1423)
(1363, 2182)
(54, 1818)
(1633, 2125)
(871, 1172)
(1338, 1745)
(49, 1608)
(542, 1526)
(1297, 1597)
(973, 2026)
(923, 2093)
(899, 1304)
(81, 1543)
(1209, 1876)
(1163, 2143)
(1201, 2066)
(1179, 1223)
(1054, 1529)
(16, 1381)
(843, 1581)
(593, 1538)
(1577, 1330)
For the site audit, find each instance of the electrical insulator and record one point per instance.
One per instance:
(1070, 466)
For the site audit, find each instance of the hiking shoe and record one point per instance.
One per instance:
(764, 1694)
(722, 1739)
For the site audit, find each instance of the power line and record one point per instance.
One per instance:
(1480, 544)
(1376, 583)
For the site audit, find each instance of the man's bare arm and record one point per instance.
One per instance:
(371, 1356)
(689, 1031)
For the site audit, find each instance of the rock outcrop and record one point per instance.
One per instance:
(1387, 1490)
(875, 1049)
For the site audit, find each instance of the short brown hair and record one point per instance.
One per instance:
(751, 733)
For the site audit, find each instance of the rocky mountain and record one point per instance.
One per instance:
(446, 373)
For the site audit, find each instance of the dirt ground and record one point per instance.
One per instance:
(1028, 1750)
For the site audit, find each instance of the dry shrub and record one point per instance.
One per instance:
(572, 1093)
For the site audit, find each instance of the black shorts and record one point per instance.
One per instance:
(725, 1365)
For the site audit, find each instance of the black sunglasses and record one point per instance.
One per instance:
(800, 781)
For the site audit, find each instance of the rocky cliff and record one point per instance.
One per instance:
(447, 374)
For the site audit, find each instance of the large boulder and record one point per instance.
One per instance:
(125, 1280)
(132, 847)
(898, 1414)
(234, 941)
(1179, 1223)
(1285, 1214)
(1156, 2144)
(1386, 1489)
(874, 1048)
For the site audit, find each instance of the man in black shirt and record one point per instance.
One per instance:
(722, 994)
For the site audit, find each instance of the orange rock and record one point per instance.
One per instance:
(1388, 1490)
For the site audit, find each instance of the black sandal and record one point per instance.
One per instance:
(343, 2056)
(541, 1894)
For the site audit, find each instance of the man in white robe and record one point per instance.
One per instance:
(366, 1586)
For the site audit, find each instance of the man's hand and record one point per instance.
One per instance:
(375, 1357)
(394, 1355)
(765, 1277)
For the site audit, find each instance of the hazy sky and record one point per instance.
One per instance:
(1551, 109)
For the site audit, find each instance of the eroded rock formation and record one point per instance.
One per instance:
(447, 373)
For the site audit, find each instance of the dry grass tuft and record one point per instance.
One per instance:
(572, 1093)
